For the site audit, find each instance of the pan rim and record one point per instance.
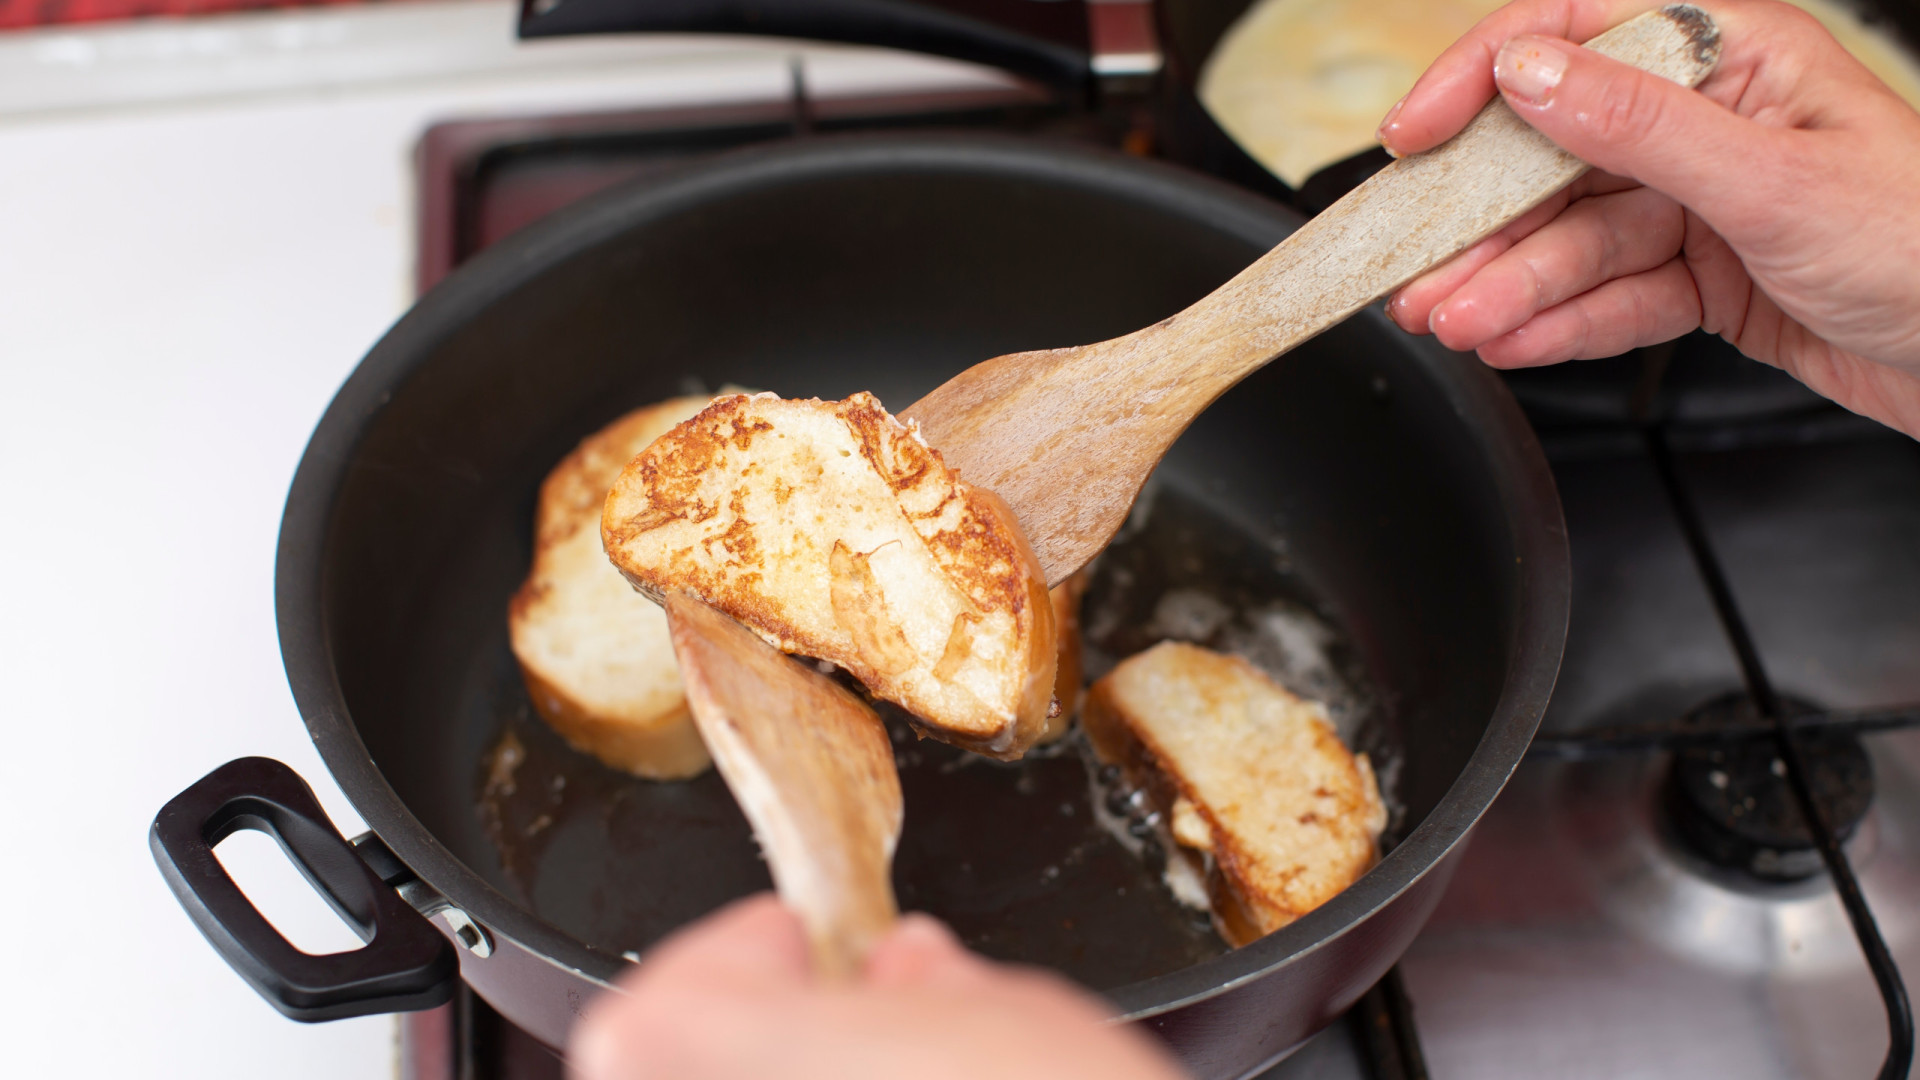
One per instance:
(1522, 480)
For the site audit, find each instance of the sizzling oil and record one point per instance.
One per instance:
(1018, 858)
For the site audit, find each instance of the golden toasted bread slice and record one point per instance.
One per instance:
(596, 655)
(833, 531)
(1253, 781)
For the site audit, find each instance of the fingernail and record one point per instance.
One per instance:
(1529, 69)
(1384, 132)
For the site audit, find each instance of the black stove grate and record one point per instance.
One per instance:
(1383, 1025)
(1787, 738)
(1785, 725)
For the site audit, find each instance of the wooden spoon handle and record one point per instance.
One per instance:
(1068, 436)
(1413, 215)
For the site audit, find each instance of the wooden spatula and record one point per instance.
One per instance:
(1068, 436)
(810, 765)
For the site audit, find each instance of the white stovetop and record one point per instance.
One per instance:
(203, 225)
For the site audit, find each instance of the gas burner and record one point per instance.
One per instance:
(1732, 805)
(1612, 820)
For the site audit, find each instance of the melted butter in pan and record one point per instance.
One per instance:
(1015, 857)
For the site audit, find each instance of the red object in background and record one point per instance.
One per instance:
(17, 14)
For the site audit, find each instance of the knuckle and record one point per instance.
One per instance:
(1636, 230)
(1606, 251)
(1642, 319)
(1575, 348)
(1785, 16)
(1533, 287)
(1629, 112)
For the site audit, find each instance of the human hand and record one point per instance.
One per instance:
(1773, 207)
(735, 996)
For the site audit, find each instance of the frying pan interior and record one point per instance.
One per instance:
(1352, 468)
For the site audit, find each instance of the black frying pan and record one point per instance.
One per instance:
(1369, 480)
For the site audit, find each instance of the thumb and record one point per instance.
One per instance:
(922, 951)
(1629, 122)
(755, 943)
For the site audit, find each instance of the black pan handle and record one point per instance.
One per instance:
(406, 964)
(1045, 40)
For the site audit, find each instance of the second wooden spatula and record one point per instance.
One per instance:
(811, 767)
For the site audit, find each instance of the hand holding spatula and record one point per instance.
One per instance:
(1067, 437)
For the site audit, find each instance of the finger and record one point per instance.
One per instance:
(1635, 124)
(1593, 242)
(1412, 304)
(921, 951)
(1728, 300)
(1625, 313)
(1781, 67)
(753, 945)
(1458, 83)
(755, 942)
(922, 954)
(1411, 309)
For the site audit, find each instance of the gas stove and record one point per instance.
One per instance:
(1649, 897)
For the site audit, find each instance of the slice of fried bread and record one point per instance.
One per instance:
(833, 531)
(1068, 669)
(1253, 781)
(596, 655)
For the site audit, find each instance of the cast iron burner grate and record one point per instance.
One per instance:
(1761, 784)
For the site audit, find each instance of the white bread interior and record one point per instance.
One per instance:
(596, 655)
(833, 531)
(1253, 781)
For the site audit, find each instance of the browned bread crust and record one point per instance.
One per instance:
(1068, 669)
(833, 531)
(659, 746)
(595, 655)
(1252, 780)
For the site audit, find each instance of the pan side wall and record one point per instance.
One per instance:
(886, 273)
